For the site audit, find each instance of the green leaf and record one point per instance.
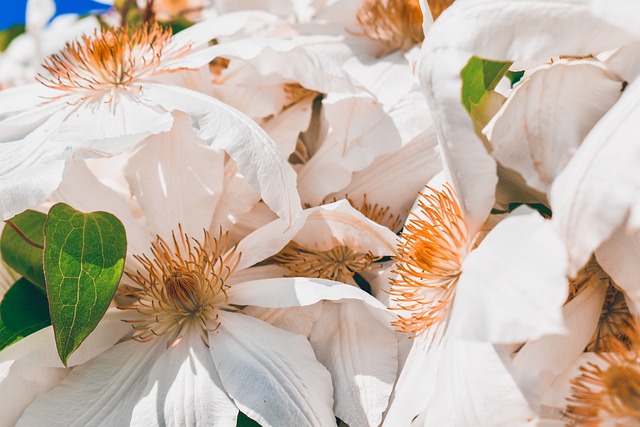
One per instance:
(244, 421)
(514, 76)
(480, 76)
(7, 35)
(23, 257)
(83, 262)
(23, 311)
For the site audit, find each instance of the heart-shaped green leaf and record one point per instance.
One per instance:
(23, 311)
(83, 262)
(22, 249)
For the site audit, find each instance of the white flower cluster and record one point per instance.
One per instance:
(337, 212)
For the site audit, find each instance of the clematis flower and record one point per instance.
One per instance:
(93, 89)
(195, 352)
(455, 285)
(606, 390)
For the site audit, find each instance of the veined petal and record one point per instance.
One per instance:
(394, 180)
(101, 392)
(338, 223)
(20, 383)
(534, 30)
(39, 348)
(249, 145)
(472, 378)
(413, 391)
(537, 141)
(112, 125)
(184, 389)
(202, 32)
(177, 167)
(468, 165)
(296, 61)
(597, 176)
(362, 357)
(539, 362)
(82, 190)
(298, 320)
(272, 375)
(359, 131)
(301, 291)
(513, 286)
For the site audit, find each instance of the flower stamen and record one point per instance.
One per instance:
(182, 286)
(432, 248)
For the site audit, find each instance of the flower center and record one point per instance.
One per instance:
(609, 392)
(339, 263)
(109, 59)
(432, 248)
(395, 23)
(181, 288)
(615, 318)
(438, 6)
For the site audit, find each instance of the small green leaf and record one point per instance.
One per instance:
(83, 262)
(244, 421)
(23, 257)
(23, 311)
(514, 76)
(480, 76)
(7, 35)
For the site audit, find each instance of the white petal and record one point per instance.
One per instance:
(532, 30)
(597, 176)
(39, 348)
(618, 257)
(112, 126)
(202, 32)
(338, 223)
(176, 180)
(184, 389)
(285, 127)
(306, 65)
(24, 97)
(297, 320)
(472, 378)
(237, 199)
(539, 362)
(101, 392)
(255, 153)
(469, 168)
(272, 375)
(20, 383)
(359, 131)
(81, 189)
(362, 358)
(301, 291)
(412, 391)
(537, 141)
(394, 180)
(513, 286)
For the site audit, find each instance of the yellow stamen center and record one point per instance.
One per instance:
(109, 59)
(615, 317)
(609, 391)
(181, 288)
(339, 263)
(433, 246)
(397, 24)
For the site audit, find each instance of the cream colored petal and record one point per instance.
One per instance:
(546, 118)
(513, 286)
(595, 193)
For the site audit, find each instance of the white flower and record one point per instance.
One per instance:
(105, 92)
(195, 355)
